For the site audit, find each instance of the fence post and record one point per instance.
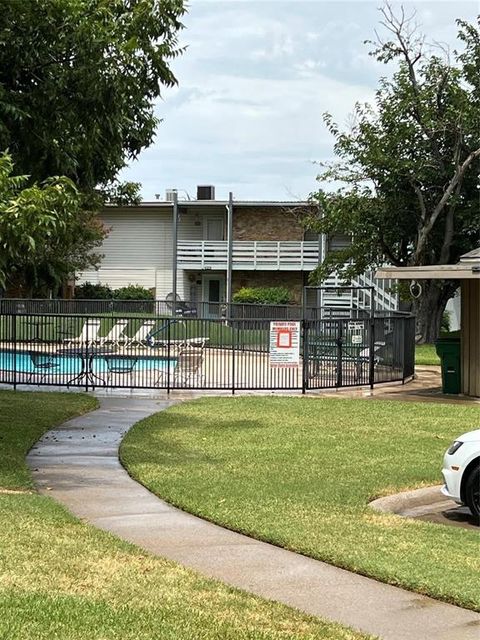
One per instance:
(306, 356)
(371, 352)
(168, 357)
(14, 338)
(87, 364)
(339, 351)
(233, 360)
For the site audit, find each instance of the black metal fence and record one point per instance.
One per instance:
(160, 308)
(154, 352)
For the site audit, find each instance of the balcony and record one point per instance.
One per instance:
(248, 256)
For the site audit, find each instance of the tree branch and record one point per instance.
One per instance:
(388, 252)
(456, 180)
(421, 201)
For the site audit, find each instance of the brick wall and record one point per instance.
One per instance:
(268, 223)
(292, 280)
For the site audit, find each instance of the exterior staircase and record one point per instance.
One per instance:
(337, 302)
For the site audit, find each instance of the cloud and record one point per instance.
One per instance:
(253, 85)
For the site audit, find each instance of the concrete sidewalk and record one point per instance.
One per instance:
(77, 464)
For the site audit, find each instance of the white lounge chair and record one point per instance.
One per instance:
(200, 342)
(176, 346)
(140, 337)
(88, 334)
(115, 336)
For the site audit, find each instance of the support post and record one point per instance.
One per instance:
(168, 357)
(229, 250)
(306, 355)
(371, 351)
(14, 337)
(174, 250)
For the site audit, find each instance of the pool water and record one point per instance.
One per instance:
(21, 362)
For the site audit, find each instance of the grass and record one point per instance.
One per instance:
(24, 417)
(60, 578)
(56, 328)
(299, 472)
(425, 354)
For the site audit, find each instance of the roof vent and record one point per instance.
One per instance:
(170, 195)
(205, 192)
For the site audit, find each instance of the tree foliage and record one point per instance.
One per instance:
(78, 81)
(409, 164)
(39, 229)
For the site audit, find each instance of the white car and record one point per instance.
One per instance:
(461, 472)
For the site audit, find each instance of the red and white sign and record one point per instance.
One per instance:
(284, 344)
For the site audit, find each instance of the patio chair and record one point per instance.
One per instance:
(363, 359)
(141, 336)
(120, 365)
(187, 369)
(88, 334)
(180, 308)
(115, 336)
(42, 363)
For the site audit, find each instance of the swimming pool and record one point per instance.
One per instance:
(72, 365)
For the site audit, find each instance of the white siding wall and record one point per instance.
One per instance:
(188, 230)
(338, 241)
(137, 239)
(138, 250)
(117, 278)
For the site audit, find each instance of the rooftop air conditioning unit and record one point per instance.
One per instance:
(205, 192)
(170, 195)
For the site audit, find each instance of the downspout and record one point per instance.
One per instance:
(229, 250)
(174, 250)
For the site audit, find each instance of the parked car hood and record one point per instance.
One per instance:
(470, 436)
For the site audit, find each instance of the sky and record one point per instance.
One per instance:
(253, 84)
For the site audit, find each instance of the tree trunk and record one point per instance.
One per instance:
(429, 307)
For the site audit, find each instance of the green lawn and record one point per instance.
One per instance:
(243, 334)
(60, 578)
(426, 354)
(299, 472)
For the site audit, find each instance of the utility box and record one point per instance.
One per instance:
(448, 350)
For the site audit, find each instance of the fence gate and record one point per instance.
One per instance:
(338, 353)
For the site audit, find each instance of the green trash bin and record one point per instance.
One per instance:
(448, 350)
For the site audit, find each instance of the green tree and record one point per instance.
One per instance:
(78, 81)
(409, 166)
(39, 229)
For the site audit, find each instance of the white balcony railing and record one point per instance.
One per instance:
(249, 256)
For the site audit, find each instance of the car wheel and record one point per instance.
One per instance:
(472, 494)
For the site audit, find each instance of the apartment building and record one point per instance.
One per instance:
(206, 249)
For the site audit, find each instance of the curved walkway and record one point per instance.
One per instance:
(77, 464)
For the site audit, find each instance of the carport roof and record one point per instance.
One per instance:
(468, 268)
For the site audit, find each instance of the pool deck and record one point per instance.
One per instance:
(222, 368)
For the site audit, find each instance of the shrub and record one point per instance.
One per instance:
(133, 292)
(445, 324)
(90, 291)
(263, 295)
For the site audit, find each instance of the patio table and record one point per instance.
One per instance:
(41, 322)
(87, 354)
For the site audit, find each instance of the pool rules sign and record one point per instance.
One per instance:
(284, 344)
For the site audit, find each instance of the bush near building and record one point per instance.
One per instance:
(263, 295)
(90, 291)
